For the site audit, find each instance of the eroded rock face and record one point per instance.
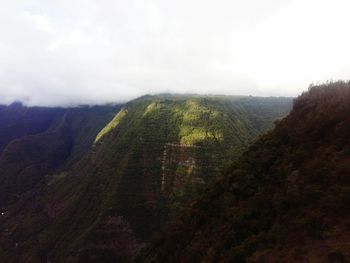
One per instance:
(180, 178)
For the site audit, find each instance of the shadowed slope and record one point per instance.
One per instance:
(38, 141)
(18, 121)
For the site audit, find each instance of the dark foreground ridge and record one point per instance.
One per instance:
(286, 200)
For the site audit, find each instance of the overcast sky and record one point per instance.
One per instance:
(95, 51)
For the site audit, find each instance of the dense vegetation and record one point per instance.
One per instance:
(156, 154)
(286, 200)
(36, 141)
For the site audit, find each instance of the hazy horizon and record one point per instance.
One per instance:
(62, 53)
(106, 103)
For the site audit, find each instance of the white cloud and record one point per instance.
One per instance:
(42, 22)
(74, 38)
(89, 51)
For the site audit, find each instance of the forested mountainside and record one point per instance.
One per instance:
(18, 121)
(286, 200)
(36, 141)
(154, 156)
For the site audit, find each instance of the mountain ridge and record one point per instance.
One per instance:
(285, 200)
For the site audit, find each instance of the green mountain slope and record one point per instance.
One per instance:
(286, 200)
(154, 156)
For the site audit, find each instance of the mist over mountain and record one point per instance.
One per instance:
(160, 131)
(93, 52)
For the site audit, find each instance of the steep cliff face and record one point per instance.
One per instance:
(36, 141)
(155, 155)
(285, 200)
